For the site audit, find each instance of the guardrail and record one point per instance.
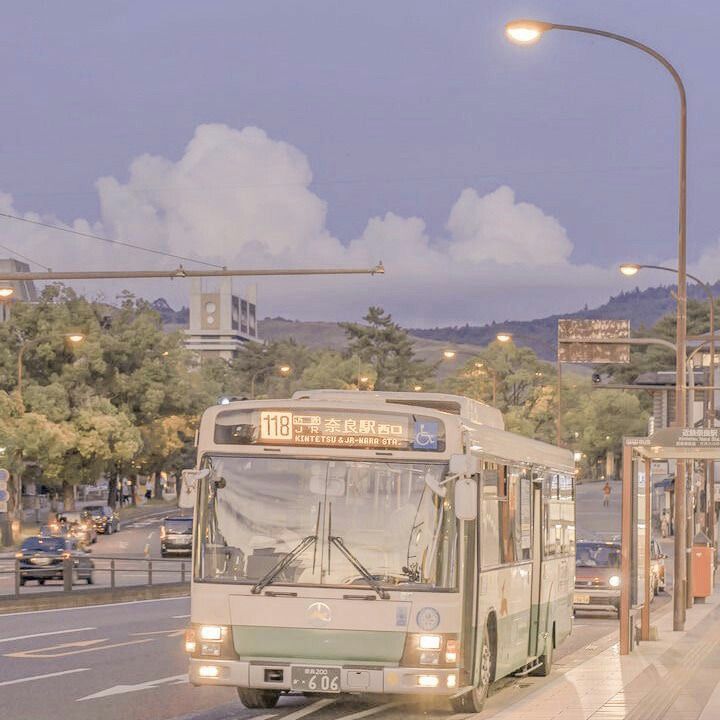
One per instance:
(110, 571)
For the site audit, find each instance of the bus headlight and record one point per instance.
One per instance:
(428, 681)
(211, 632)
(208, 671)
(429, 642)
(614, 581)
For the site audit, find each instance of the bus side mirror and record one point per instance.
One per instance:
(466, 498)
(188, 493)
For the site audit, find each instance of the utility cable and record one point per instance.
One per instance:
(90, 236)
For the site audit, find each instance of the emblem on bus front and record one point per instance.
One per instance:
(319, 613)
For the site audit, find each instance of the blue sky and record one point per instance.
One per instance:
(418, 109)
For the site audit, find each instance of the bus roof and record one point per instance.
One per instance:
(469, 410)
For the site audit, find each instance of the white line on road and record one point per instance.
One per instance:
(182, 617)
(122, 689)
(99, 605)
(45, 634)
(309, 709)
(370, 711)
(43, 677)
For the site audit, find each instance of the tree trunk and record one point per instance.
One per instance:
(68, 496)
(133, 489)
(15, 509)
(157, 490)
(178, 484)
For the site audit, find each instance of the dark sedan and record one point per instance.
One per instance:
(42, 558)
(105, 518)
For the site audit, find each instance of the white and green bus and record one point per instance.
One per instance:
(375, 542)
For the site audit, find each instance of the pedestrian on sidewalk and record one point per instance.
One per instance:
(664, 524)
(606, 493)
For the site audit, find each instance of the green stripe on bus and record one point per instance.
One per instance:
(318, 644)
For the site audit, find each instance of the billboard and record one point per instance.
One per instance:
(586, 341)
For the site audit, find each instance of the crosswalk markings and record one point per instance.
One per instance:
(122, 689)
(319, 704)
(368, 711)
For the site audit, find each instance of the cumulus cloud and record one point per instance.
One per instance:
(242, 199)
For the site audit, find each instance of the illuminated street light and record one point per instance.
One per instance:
(6, 292)
(449, 354)
(75, 338)
(417, 388)
(504, 337)
(364, 379)
(285, 370)
(526, 32)
(630, 269)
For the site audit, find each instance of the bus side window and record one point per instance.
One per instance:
(490, 542)
(524, 516)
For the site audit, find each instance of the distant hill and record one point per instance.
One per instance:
(642, 307)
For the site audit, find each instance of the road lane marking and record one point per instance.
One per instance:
(309, 709)
(122, 689)
(167, 633)
(371, 711)
(43, 677)
(182, 617)
(82, 646)
(45, 634)
(93, 607)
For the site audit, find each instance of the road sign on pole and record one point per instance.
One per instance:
(581, 341)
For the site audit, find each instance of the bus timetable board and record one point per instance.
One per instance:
(330, 428)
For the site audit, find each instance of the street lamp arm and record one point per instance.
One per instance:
(633, 43)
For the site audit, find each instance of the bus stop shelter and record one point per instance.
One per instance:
(680, 444)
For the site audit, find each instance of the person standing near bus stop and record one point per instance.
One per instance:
(606, 494)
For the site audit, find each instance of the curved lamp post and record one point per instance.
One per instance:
(631, 269)
(528, 31)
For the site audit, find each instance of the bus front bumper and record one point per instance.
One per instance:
(261, 675)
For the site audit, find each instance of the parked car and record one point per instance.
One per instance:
(105, 518)
(80, 525)
(41, 558)
(597, 576)
(176, 536)
(657, 567)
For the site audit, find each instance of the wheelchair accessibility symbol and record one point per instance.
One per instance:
(426, 436)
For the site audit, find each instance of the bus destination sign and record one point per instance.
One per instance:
(349, 429)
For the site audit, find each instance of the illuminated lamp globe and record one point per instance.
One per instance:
(630, 269)
(503, 337)
(526, 32)
(6, 292)
(75, 337)
(449, 354)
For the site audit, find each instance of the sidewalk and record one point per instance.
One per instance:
(676, 677)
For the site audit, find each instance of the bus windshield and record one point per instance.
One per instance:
(333, 522)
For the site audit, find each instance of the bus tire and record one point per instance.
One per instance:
(546, 659)
(474, 700)
(258, 699)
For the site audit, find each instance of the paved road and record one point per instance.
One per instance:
(139, 538)
(125, 662)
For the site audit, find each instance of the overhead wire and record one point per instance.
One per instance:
(91, 236)
(24, 257)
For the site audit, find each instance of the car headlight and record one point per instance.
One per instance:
(211, 632)
(614, 581)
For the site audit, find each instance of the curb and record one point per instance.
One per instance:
(83, 598)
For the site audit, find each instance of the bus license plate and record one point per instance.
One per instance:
(315, 679)
(582, 599)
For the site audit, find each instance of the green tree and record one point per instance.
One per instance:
(387, 347)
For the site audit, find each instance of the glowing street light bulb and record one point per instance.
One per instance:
(449, 354)
(526, 32)
(364, 379)
(418, 388)
(630, 269)
(285, 369)
(75, 337)
(6, 292)
(503, 337)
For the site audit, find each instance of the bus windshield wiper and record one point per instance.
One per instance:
(339, 543)
(282, 564)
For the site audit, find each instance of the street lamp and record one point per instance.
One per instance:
(418, 388)
(449, 354)
(284, 370)
(525, 31)
(504, 337)
(6, 292)
(631, 269)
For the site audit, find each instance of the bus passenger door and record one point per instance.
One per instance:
(537, 548)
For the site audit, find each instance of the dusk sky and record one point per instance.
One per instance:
(495, 181)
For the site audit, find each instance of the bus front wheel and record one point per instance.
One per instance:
(474, 700)
(258, 699)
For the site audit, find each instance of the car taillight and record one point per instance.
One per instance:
(190, 641)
